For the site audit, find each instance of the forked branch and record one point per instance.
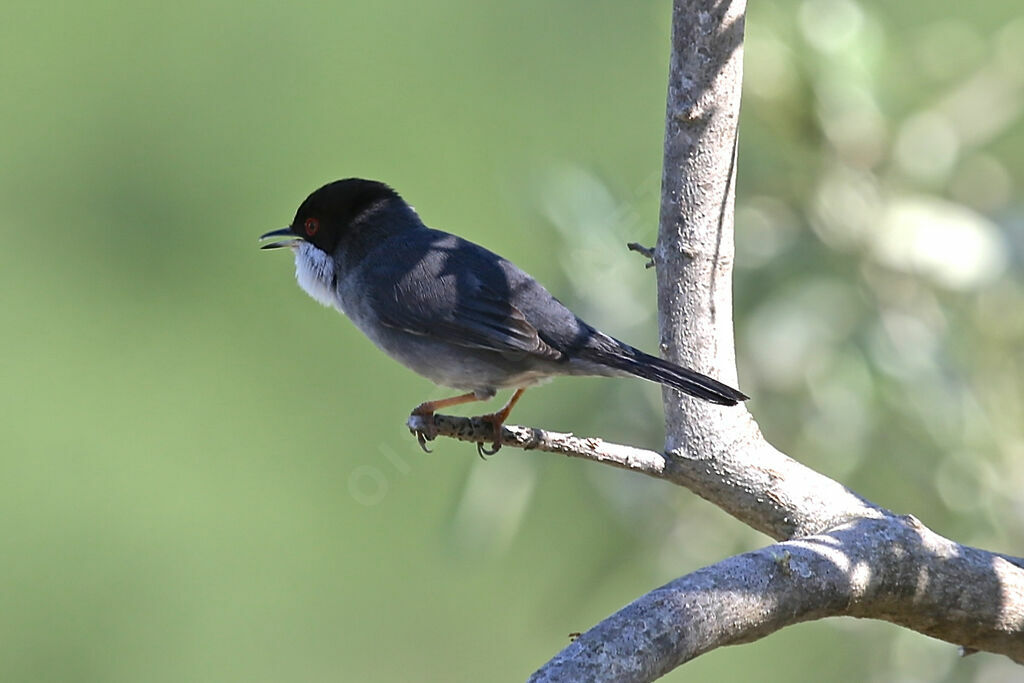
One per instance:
(839, 554)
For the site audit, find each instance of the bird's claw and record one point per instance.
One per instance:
(423, 427)
(495, 420)
(484, 452)
(421, 439)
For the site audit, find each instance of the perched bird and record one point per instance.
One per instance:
(452, 311)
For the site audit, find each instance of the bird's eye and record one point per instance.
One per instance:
(312, 225)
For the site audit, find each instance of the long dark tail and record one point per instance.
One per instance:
(637, 363)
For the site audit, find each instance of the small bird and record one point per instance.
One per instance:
(456, 313)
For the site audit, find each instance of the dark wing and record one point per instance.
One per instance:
(455, 292)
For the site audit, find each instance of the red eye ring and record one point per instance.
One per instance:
(312, 225)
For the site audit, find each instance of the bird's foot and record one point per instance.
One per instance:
(496, 421)
(421, 424)
(421, 420)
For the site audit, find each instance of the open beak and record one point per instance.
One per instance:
(293, 240)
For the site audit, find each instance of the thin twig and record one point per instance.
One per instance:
(645, 251)
(530, 438)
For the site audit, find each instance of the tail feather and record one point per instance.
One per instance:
(646, 366)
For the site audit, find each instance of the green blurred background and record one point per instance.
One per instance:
(205, 476)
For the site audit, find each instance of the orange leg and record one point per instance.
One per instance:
(496, 421)
(427, 408)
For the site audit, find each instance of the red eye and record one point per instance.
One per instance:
(312, 225)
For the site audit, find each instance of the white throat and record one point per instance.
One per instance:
(315, 272)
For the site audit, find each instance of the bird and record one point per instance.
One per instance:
(451, 310)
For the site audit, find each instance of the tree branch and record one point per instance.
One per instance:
(873, 565)
(893, 569)
(476, 430)
(744, 475)
(840, 553)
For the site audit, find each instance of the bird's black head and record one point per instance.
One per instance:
(335, 211)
